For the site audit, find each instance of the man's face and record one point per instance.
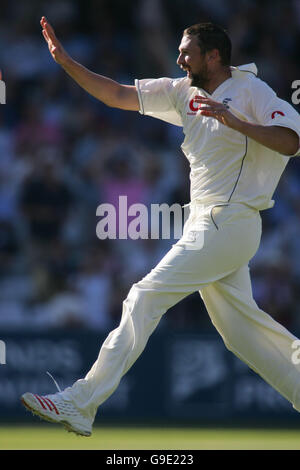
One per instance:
(193, 61)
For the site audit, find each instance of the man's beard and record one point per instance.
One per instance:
(201, 79)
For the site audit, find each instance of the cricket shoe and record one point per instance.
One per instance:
(56, 409)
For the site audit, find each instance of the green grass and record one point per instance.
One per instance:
(54, 437)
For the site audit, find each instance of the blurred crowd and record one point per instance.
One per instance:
(63, 154)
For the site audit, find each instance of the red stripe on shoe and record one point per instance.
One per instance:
(54, 407)
(46, 401)
(41, 403)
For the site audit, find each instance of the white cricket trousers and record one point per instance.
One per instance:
(211, 257)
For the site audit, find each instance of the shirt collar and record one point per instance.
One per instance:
(245, 68)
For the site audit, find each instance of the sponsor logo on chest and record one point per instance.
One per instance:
(195, 105)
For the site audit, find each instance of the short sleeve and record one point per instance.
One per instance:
(159, 98)
(269, 110)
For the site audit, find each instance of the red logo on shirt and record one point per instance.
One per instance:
(192, 106)
(277, 112)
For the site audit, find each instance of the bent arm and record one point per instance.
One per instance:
(280, 139)
(275, 137)
(104, 89)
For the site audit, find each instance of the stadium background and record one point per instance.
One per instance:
(63, 154)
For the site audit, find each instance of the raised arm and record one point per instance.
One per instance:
(104, 89)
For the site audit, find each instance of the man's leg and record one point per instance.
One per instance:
(251, 334)
(229, 241)
(186, 268)
(177, 276)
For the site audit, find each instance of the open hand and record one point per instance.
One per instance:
(57, 51)
(217, 111)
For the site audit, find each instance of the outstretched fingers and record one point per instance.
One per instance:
(56, 50)
(210, 107)
(208, 112)
(44, 32)
(45, 35)
(48, 31)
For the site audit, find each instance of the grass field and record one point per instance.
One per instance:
(44, 437)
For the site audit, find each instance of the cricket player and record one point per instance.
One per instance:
(239, 136)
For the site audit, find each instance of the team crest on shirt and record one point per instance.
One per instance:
(225, 102)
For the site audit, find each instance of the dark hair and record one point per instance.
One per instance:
(211, 36)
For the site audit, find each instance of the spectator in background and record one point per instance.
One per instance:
(9, 247)
(94, 283)
(154, 38)
(45, 200)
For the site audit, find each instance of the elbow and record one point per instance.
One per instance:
(292, 150)
(292, 145)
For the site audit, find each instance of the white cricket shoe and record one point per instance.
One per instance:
(56, 409)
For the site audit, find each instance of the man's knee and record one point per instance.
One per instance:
(141, 293)
(144, 299)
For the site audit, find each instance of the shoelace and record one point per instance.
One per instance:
(57, 386)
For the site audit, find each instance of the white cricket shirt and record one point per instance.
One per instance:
(226, 166)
